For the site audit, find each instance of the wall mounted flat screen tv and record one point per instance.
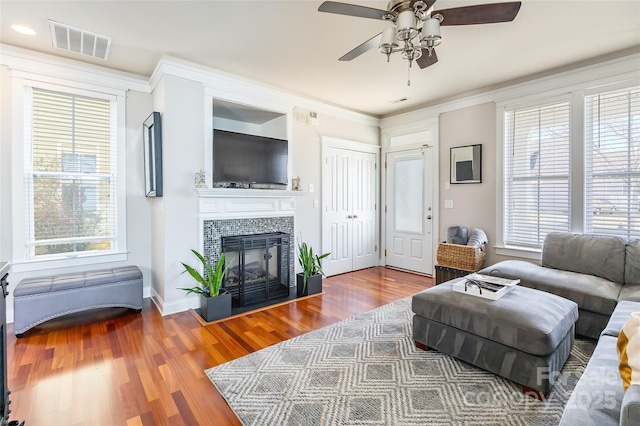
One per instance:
(243, 159)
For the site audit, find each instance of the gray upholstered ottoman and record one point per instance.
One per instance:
(526, 336)
(37, 300)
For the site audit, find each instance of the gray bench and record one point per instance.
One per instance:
(37, 300)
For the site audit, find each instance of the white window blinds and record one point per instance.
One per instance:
(537, 173)
(70, 174)
(612, 167)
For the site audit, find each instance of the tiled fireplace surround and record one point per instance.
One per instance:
(230, 212)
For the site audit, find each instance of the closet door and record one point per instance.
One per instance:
(337, 229)
(363, 209)
(349, 210)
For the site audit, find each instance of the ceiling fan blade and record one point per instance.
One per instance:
(367, 45)
(480, 14)
(425, 60)
(351, 10)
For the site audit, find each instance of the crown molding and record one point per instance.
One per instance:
(37, 63)
(230, 86)
(32, 62)
(607, 72)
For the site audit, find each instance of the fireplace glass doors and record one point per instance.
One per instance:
(258, 267)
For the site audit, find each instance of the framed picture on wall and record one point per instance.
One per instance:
(152, 141)
(466, 164)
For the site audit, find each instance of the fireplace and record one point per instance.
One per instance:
(229, 212)
(257, 267)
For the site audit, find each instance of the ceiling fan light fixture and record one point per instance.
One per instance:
(417, 25)
(389, 41)
(412, 54)
(407, 26)
(431, 31)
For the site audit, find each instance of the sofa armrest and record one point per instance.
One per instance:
(630, 410)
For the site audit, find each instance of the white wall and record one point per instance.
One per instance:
(474, 204)
(138, 209)
(157, 241)
(182, 139)
(5, 165)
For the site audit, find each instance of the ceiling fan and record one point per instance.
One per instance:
(417, 25)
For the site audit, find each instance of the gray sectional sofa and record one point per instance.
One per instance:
(602, 275)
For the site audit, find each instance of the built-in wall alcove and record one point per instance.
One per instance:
(250, 147)
(248, 119)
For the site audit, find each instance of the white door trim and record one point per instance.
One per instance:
(328, 141)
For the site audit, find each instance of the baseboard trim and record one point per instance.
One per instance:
(179, 305)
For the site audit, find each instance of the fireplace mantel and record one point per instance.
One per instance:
(230, 203)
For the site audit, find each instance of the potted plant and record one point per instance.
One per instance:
(309, 281)
(214, 304)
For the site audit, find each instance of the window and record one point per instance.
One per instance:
(537, 173)
(557, 178)
(70, 174)
(612, 136)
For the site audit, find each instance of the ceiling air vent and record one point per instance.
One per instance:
(80, 41)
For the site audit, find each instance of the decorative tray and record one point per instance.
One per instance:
(485, 286)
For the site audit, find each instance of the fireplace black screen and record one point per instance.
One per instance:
(258, 267)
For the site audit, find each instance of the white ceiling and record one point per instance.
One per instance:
(290, 45)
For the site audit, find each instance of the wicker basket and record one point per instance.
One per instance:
(469, 258)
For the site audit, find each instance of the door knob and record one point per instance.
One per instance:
(355, 216)
(350, 217)
(429, 217)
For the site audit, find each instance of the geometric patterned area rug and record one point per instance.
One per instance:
(365, 370)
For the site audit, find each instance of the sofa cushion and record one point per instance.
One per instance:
(630, 292)
(629, 351)
(630, 411)
(590, 293)
(597, 397)
(632, 263)
(531, 321)
(619, 317)
(597, 255)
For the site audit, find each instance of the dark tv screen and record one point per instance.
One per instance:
(242, 158)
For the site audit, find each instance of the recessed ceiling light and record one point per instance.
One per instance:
(23, 30)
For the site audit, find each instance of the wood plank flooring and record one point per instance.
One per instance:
(117, 367)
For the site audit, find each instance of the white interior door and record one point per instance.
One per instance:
(409, 218)
(349, 214)
(337, 229)
(363, 209)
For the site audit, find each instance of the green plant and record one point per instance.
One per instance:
(311, 264)
(211, 281)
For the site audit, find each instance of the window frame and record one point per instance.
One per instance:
(587, 93)
(577, 157)
(22, 262)
(538, 178)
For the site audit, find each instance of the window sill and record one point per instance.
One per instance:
(67, 262)
(521, 252)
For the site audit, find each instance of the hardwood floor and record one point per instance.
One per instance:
(118, 367)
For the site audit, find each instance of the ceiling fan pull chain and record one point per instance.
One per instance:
(409, 75)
